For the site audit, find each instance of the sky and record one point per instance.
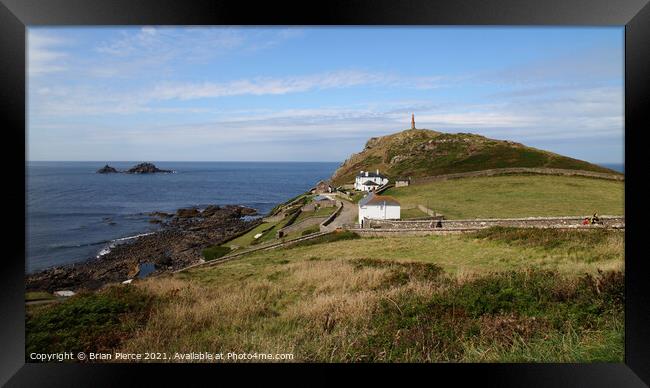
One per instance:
(317, 93)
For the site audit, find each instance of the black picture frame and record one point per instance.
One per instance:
(17, 15)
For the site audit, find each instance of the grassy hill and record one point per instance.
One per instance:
(516, 196)
(423, 299)
(423, 152)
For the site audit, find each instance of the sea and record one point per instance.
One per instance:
(620, 167)
(74, 214)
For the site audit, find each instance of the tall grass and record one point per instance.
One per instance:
(374, 310)
(379, 300)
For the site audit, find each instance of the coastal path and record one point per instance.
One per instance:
(235, 255)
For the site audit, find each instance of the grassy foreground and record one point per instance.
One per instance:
(516, 196)
(498, 295)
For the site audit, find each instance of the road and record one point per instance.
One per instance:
(348, 215)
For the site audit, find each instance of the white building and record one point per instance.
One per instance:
(378, 207)
(369, 181)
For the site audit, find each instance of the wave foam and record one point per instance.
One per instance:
(106, 250)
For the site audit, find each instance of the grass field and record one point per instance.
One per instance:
(516, 196)
(411, 213)
(268, 229)
(321, 212)
(498, 295)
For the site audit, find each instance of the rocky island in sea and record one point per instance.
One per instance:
(142, 168)
(107, 170)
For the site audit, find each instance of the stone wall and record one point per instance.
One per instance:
(536, 222)
(324, 224)
(429, 212)
(271, 245)
(383, 188)
(344, 195)
(304, 224)
(443, 231)
(519, 170)
(322, 204)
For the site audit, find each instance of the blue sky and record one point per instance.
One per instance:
(317, 94)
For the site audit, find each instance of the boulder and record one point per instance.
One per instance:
(134, 272)
(64, 293)
(187, 213)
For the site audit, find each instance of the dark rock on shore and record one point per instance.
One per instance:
(187, 213)
(160, 214)
(178, 244)
(107, 170)
(145, 168)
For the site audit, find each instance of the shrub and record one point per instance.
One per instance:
(310, 231)
(215, 252)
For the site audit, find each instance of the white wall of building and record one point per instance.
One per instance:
(379, 212)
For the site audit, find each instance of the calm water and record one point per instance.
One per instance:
(620, 167)
(74, 214)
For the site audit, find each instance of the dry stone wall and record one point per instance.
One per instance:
(536, 222)
(519, 170)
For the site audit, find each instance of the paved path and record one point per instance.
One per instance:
(348, 216)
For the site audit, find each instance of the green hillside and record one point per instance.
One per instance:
(423, 152)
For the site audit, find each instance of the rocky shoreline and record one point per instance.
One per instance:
(179, 243)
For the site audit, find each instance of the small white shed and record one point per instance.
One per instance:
(378, 207)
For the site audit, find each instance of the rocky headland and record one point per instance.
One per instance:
(179, 243)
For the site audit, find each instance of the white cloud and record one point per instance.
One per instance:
(149, 49)
(291, 84)
(43, 53)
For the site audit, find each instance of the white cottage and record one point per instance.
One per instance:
(369, 181)
(378, 207)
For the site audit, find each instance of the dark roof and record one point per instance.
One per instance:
(373, 199)
(371, 175)
(370, 183)
(402, 179)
